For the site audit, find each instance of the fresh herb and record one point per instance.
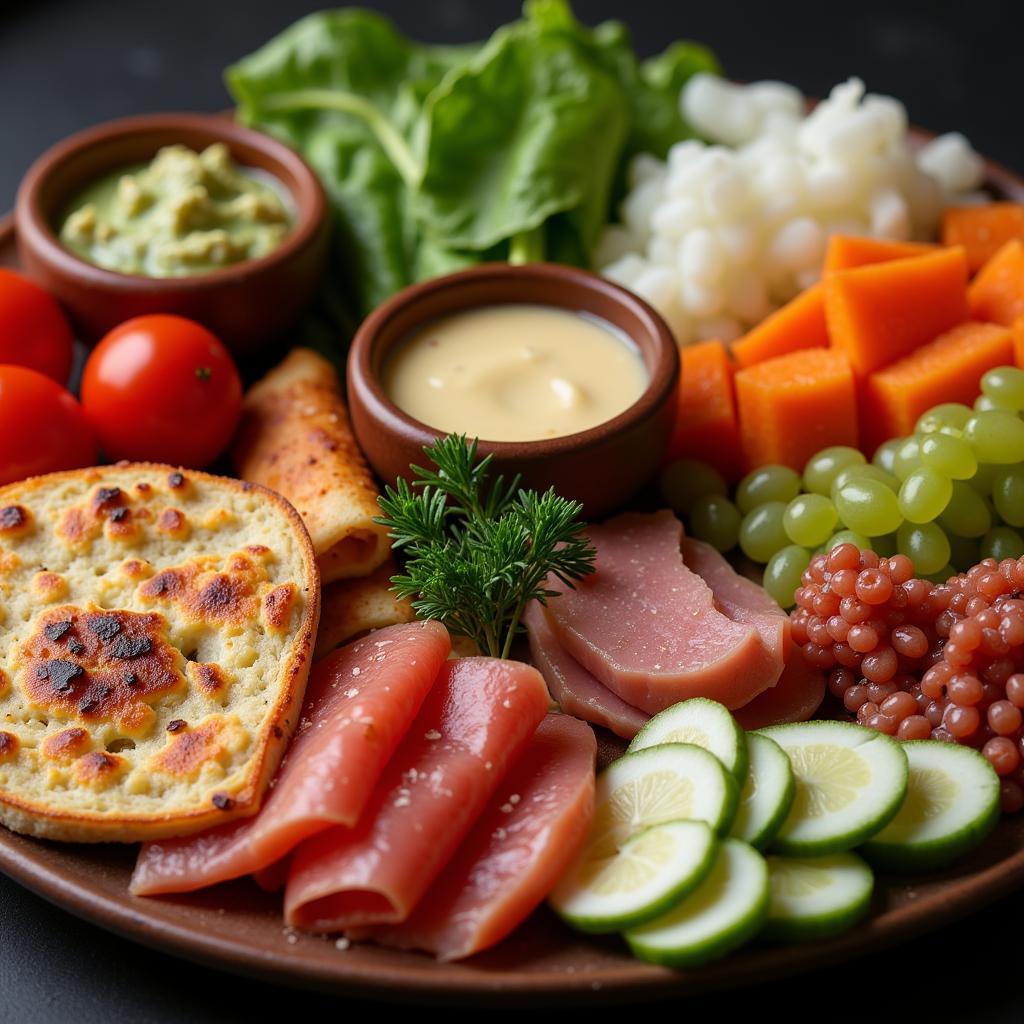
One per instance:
(477, 554)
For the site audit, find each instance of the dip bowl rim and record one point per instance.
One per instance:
(34, 222)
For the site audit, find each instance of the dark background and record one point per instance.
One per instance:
(66, 65)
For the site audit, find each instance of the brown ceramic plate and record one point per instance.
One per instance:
(238, 927)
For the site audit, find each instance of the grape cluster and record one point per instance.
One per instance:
(918, 660)
(946, 497)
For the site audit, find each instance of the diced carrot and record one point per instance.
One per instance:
(878, 313)
(947, 369)
(794, 405)
(847, 251)
(1018, 341)
(799, 324)
(706, 426)
(997, 293)
(982, 230)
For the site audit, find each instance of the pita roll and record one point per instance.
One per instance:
(296, 439)
(350, 608)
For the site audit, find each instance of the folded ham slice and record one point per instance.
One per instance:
(575, 690)
(532, 829)
(360, 702)
(647, 627)
(794, 698)
(475, 722)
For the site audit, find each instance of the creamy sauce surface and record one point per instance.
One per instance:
(515, 373)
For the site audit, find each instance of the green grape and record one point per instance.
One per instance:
(884, 546)
(782, 574)
(996, 436)
(683, 482)
(952, 415)
(983, 480)
(924, 494)
(768, 483)
(809, 520)
(942, 575)
(822, 469)
(762, 532)
(885, 454)
(715, 520)
(1006, 385)
(1002, 542)
(951, 456)
(868, 472)
(967, 514)
(869, 507)
(1008, 495)
(964, 551)
(907, 459)
(849, 537)
(986, 403)
(925, 545)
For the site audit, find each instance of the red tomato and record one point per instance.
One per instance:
(162, 388)
(33, 330)
(42, 427)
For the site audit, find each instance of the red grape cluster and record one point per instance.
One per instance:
(917, 660)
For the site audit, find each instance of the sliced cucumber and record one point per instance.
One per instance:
(728, 908)
(850, 782)
(673, 782)
(647, 876)
(702, 722)
(952, 804)
(767, 794)
(816, 897)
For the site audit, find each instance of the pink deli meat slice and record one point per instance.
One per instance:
(360, 702)
(533, 827)
(794, 698)
(472, 727)
(647, 627)
(575, 690)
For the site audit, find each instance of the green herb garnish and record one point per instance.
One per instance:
(476, 554)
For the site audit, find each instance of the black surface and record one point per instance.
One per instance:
(66, 65)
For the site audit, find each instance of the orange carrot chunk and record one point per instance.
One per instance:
(706, 426)
(982, 230)
(794, 405)
(997, 293)
(947, 369)
(878, 313)
(799, 324)
(847, 251)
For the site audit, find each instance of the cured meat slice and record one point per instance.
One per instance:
(739, 598)
(473, 725)
(794, 698)
(575, 690)
(360, 702)
(532, 829)
(647, 627)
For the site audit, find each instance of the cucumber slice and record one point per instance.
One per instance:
(766, 796)
(952, 804)
(672, 782)
(702, 722)
(727, 909)
(647, 876)
(850, 782)
(816, 897)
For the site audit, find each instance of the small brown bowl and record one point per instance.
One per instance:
(245, 304)
(601, 467)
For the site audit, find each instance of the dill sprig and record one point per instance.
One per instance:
(477, 553)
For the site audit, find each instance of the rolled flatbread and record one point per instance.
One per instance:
(296, 439)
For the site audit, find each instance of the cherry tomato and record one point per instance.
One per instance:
(33, 330)
(42, 427)
(162, 388)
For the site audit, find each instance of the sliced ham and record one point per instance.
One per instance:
(575, 690)
(797, 695)
(360, 702)
(475, 722)
(533, 827)
(647, 627)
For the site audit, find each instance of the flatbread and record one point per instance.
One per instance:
(156, 632)
(295, 438)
